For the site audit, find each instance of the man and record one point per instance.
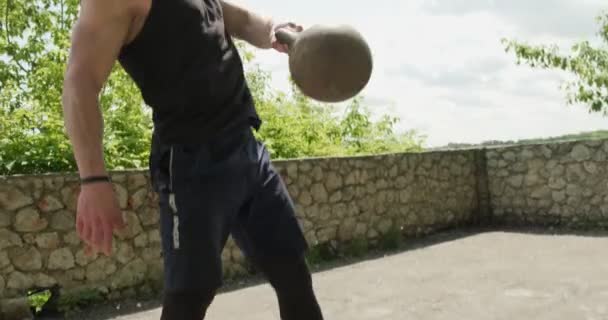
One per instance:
(212, 176)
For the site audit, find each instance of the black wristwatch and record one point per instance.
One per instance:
(95, 179)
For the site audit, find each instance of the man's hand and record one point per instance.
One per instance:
(273, 39)
(98, 215)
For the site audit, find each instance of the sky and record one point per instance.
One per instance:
(440, 66)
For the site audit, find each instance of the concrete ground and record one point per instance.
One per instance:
(492, 275)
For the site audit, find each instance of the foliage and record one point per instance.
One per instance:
(34, 46)
(72, 301)
(588, 64)
(392, 240)
(582, 136)
(357, 248)
(39, 299)
(592, 135)
(296, 126)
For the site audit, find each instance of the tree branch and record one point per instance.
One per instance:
(8, 37)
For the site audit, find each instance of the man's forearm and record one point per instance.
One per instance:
(258, 31)
(248, 26)
(84, 126)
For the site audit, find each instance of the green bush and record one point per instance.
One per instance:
(391, 240)
(38, 300)
(358, 247)
(33, 51)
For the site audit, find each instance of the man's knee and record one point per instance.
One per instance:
(187, 305)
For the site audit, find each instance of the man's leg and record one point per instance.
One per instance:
(186, 305)
(199, 199)
(192, 240)
(271, 237)
(292, 282)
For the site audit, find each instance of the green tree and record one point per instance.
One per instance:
(587, 63)
(34, 45)
(297, 126)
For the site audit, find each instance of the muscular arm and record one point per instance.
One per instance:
(247, 25)
(97, 36)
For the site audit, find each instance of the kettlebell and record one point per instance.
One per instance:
(328, 63)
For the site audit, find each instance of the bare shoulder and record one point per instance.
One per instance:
(128, 15)
(95, 10)
(99, 15)
(103, 27)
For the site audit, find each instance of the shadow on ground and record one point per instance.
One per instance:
(126, 307)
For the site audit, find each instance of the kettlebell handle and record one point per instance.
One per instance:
(287, 37)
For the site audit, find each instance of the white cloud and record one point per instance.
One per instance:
(442, 68)
(562, 18)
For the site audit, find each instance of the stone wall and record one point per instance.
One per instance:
(338, 200)
(563, 184)
(39, 246)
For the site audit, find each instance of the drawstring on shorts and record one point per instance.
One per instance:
(172, 204)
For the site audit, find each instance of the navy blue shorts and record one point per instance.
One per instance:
(212, 190)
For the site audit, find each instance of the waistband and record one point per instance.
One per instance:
(223, 142)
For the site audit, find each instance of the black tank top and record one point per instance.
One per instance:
(189, 71)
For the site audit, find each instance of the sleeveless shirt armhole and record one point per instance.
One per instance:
(138, 38)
